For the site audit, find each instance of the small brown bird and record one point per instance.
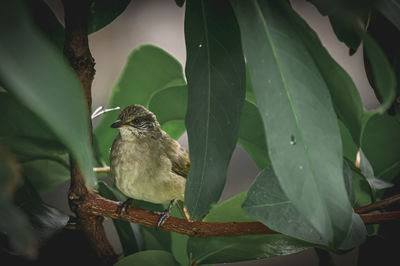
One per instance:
(146, 163)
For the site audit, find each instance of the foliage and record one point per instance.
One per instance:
(257, 76)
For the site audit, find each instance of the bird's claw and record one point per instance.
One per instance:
(123, 206)
(164, 216)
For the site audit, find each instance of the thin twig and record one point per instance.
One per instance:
(101, 170)
(374, 218)
(100, 110)
(378, 205)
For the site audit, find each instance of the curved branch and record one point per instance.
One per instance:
(99, 206)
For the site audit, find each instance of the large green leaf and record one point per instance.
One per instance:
(251, 131)
(381, 144)
(345, 96)
(384, 80)
(149, 74)
(233, 249)
(18, 121)
(388, 37)
(229, 211)
(50, 89)
(103, 12)
(242, 248)
(252, 135)
(172, 116)
(215, 72)
(302, 133)
(45, 19)
(267, 202)
(44, 219)
(390, 9)
(368, 173)
(349, 147)
(43, 158)
(149, 258)
(45, 175)
(345, 16)
(13, 223)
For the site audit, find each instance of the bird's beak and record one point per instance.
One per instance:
(117, 124)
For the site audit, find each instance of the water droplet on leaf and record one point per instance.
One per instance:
(200, 45)
(292, 140)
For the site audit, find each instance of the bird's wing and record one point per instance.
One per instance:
(178, 156)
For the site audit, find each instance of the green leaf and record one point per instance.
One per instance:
(362, 190)
(179, 2)
(349, 147)
(45, 175)
(251, 131)
(149, 258)
(179, 248)
(124, 229)
(44, 219)
(345, 96)
(381, 144)
(242, 248)
(13, 223)
(384, 80)
(155, 239)
(229, 211)
(300, 124)
(233, 249)
(18, 121)
(368, 173)
(267, 202)
(345, 17)
(252, 135)
(149, 71)
(103, 12)
(50, 90)
(390, 9)
(43, 158)
(45, 19)
(388, 38)
(170, 108)
(348, 181)
(28, 148)
(215, 72)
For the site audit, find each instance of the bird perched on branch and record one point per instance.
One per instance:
(146, 163)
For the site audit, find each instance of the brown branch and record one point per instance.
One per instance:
(103, 207)
(373, 218)
(100, 206)
(76, 50)
(378, 205)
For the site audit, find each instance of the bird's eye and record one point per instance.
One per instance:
(136, 121)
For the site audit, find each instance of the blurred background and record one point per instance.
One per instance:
(161, 23)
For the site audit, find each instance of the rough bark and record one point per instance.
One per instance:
(76, 50)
